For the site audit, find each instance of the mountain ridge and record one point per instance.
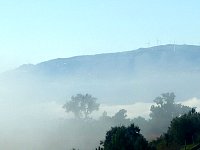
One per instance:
(154, 55)
(129, 76)
(102, 54)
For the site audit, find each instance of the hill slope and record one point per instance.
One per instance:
(123, 77)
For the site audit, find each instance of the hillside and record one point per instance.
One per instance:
(124, 77)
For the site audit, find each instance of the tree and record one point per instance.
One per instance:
(143, 124)
(81, 105)
(185, 129)
(164, 111)
(105, 118)
(125, 138)
(120, 118)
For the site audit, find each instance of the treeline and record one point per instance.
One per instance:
(159, 128)
(183, 130)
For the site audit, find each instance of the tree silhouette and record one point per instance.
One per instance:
(164, 110)
(81, 105)
(185, 129)
(120, 118)
(125, 138)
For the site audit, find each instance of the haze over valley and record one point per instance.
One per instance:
(115, 78)
(32, 96)
(99, 75)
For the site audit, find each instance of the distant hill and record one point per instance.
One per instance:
(124, 77)
(159, 58)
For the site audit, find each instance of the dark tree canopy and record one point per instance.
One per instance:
(122, 138)
(185, 128)
(81, 105)
(125, 138)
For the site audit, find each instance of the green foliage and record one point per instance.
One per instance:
(125, 138)
(162, 113)
(188, 147)
(185, 129)
(162, 143)
(81, 105)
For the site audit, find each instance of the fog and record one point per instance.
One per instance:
(32, 97)
(30, 125)
(116, 78)
(72, 70)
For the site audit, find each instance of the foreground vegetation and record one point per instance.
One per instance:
(183, 131)
(171, 126)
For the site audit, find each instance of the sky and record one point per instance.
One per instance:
(32, 31)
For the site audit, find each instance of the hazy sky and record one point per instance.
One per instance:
(36, 30)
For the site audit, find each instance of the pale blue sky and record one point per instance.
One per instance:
(37, 30)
